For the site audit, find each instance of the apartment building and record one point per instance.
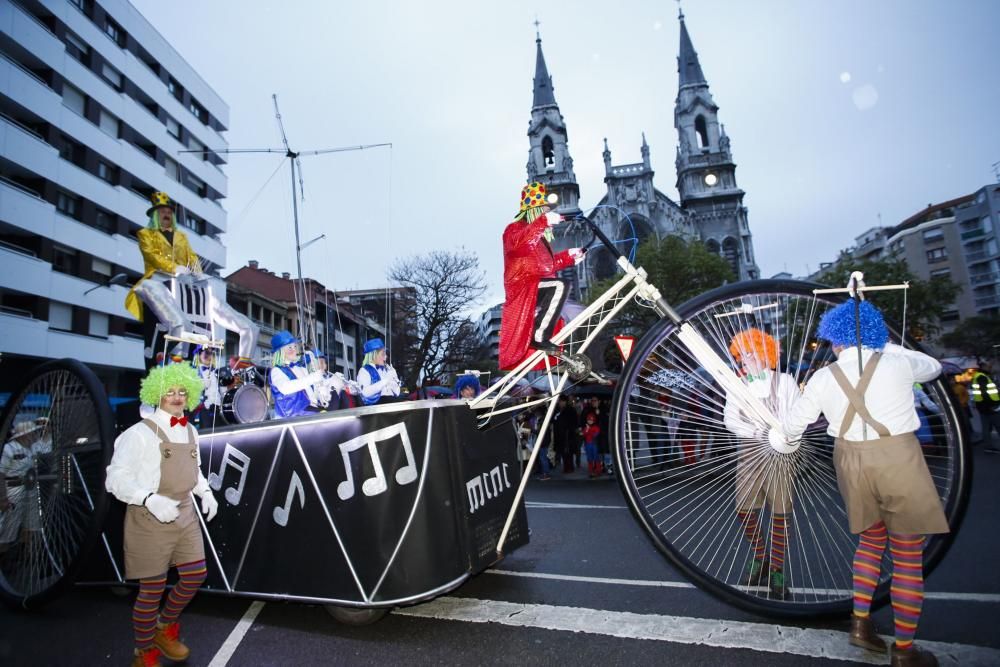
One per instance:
(96, 111)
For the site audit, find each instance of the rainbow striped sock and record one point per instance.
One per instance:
(146, 608)
(868, 566)
(192, 575)
(907, 585)
(751, 528)
(779, 541)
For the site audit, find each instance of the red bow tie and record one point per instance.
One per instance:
(174, 421)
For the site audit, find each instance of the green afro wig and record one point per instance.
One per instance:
(163, 378)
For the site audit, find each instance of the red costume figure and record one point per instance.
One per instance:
(534, 296)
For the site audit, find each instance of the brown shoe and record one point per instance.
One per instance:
(912, 657)
(146, 657)
(168, 640)
(863, 634)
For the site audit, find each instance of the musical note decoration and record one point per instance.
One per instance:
(231, 457)
(294, 487)
(376, 484)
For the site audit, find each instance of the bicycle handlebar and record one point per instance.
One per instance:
(598, 234)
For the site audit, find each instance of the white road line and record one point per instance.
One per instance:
(763, 637)
(572, 506)
(229, 646)
(991, 598)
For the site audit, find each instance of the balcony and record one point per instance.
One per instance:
(972, 233)
(988, 301)
(979, 256)
(984, 278)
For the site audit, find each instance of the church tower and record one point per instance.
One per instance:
(548, 156)
(706, 173)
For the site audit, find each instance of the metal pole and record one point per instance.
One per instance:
(300, 288)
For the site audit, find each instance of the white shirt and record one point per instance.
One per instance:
(304, 382)
(889, 396)
(785, 395)
(134, 472)
(388, 384)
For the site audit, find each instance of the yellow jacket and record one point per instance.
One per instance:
(159, 255)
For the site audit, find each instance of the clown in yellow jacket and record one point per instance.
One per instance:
(166, 251)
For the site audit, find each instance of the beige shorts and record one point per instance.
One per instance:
(758, 480)
(151, 547)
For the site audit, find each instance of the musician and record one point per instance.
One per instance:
(293, 386)
(154, 470)
(165, 249)
(211, 397)
(534, 295)
(333, 392)
(467, 386)
(379, 381)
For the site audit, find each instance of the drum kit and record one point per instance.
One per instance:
(245, 401)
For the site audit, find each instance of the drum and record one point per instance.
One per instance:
(245, 404)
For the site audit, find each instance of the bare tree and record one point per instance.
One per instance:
(446, 285)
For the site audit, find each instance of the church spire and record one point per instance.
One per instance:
(544, 95)
(688, 68)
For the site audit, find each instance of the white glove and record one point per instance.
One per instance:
(163, 508)
(315, 377)
(552, 218)
(209, 506)
(577, 254)
(337, 381)
(182, 270)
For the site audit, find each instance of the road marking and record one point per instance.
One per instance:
(810, 642)
(572, 506)
(991, 598)
(229, 646)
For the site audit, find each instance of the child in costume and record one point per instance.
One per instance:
(155, 468)
(887, 489)
(533, 295)
(378, 379)
(757, 354)
(165, 249)
(591, 431)
(293, 386)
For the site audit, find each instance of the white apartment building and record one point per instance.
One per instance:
(95, 109)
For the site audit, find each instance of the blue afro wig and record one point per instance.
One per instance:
(837, 326)
(464, 381)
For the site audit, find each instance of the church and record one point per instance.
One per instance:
(710, 209)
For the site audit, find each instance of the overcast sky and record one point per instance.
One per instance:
(839, 112)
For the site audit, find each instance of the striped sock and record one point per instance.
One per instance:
(751, 528)
(779, 541)
(868, 566)
(147, 605)
(907, 585)
(192, 575)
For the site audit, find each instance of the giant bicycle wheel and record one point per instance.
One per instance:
(58, 435)
(705, 496)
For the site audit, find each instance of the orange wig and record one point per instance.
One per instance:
(756, 342)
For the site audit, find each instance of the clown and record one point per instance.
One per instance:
(293, 386)
(378, 380)
(155, 468)
(757, 353)
(887, 489)
(165, 249)
(534, 296)
(467, 386)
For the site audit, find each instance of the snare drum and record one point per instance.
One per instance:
(245, 404)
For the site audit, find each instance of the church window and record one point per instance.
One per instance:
(712, 246)
(547, 153)
(731, 252)
(701, 129)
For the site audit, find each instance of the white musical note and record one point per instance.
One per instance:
(377, 484)
(281, 513)
(239, 461)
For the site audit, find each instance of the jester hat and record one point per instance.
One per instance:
(533, 195)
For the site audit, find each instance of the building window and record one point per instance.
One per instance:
(65, 260)
(107, 172)
(933, 235)
(350, 354)
(171, 169)
(98, 324)
(60, 316)
(198, 111)
(197, 148)
(109, 123)
(114, 31)
(193, 222)
(701, 129)
(173, 128)
(987, 224)
(100, 267)
(74, 99)
(71, 151)
(941, 273)
(82, 5)
(77, 48)
(175, 88)
(105, 221)
(937, 255)
(949, 316)
(68, 204)
(112, 76)
(195, 184)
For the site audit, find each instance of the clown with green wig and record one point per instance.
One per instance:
(534, 296)
(154, 470)
(166, 250)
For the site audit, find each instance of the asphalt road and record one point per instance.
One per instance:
(588, 589)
